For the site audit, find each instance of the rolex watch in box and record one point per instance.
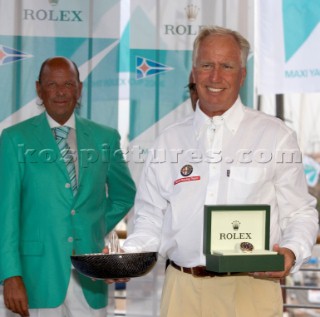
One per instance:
(236, 239)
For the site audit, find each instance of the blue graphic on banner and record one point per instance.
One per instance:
(312, 175)
(312, 170)
(100, 84)
(10, 55)
(155, 96)
(299, 20)
(146, 67)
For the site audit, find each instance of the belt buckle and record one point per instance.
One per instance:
(199, 272)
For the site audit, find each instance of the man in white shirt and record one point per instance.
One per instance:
(224, 153)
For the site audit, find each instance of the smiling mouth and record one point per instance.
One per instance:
(215, 89)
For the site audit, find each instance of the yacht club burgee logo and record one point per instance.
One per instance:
(146, 67)
(11, 55)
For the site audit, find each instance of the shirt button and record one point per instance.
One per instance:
(211, 194)
(73, 212)
(70, 239)
(67, 185)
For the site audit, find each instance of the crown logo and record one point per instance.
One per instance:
(191, 12)
(236, 225)
(53, 2)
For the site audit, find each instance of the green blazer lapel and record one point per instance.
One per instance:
(42, 131)
(43, 134)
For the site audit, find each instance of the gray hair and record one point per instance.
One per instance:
(206, 31)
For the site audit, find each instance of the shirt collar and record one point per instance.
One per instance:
(231, 118)
(71, 123)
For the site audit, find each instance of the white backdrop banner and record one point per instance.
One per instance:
(288, 46)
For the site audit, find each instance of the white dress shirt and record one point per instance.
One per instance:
(242, 164)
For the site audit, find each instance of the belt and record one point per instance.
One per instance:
(199, 271)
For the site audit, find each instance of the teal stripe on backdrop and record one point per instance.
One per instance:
(246, 92)
(124, 50)
(299, 20)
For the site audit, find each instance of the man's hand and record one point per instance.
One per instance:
(15, 296)
(289, 260)
(117, 280)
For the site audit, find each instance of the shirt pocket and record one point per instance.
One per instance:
(246, 185)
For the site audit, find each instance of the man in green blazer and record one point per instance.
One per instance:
(43, 221)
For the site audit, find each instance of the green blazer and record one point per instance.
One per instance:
(41, 223)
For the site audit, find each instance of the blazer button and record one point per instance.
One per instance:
(67, 185)
(70, 239)
(73, 212)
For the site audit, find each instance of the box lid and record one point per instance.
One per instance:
(226, 226)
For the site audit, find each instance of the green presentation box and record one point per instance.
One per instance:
(226, 227)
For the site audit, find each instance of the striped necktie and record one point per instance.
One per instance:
(61, 135)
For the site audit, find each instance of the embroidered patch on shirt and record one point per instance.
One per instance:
(186, 170)
(187, 179)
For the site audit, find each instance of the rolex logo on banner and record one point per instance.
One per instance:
(53, 2)
(191, 12)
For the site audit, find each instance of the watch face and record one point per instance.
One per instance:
(186, 170)
(246, 247)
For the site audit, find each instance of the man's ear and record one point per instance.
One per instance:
(80, 90)
(243, 74)
(38, 88)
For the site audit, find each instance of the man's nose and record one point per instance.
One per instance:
(61, 89)
(215, 74)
